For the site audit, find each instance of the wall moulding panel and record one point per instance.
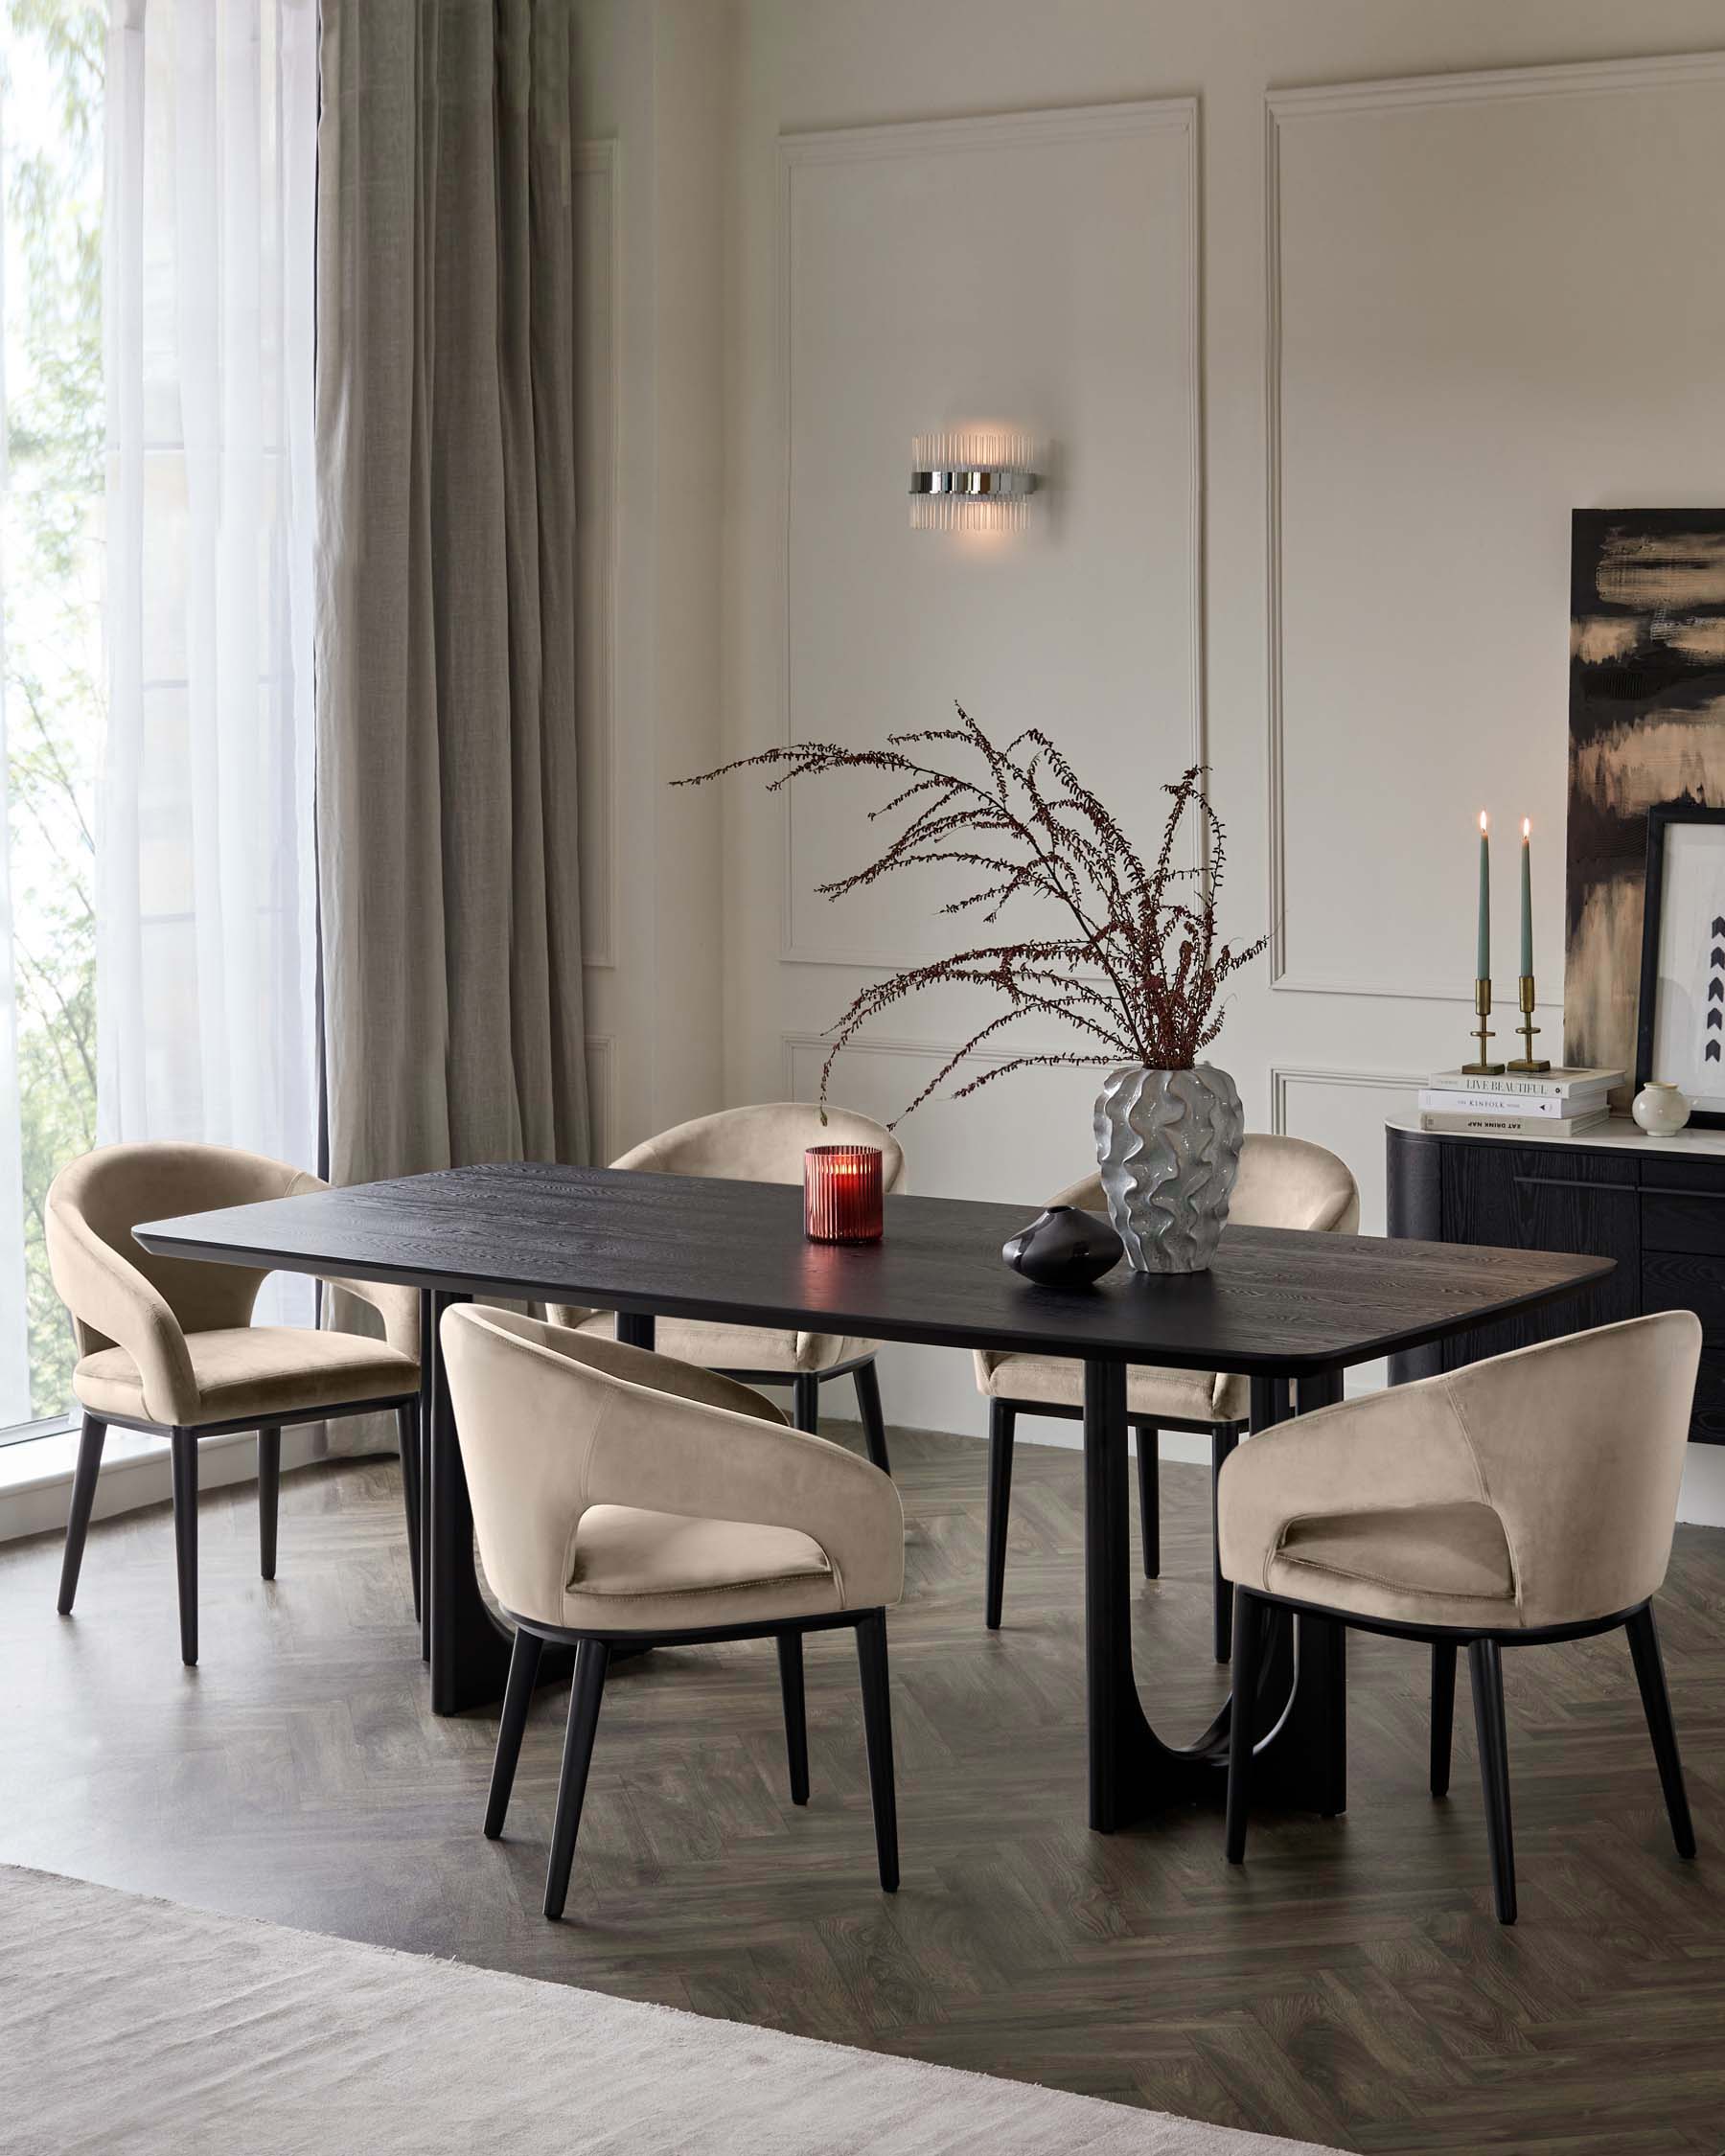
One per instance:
(1346, 1110)
(1023, 1139)
(598, 449)
(1481, 310)
(1039, 270)
(799, 1047)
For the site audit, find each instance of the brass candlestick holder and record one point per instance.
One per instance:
(1485, 1068)
(1527, 1061)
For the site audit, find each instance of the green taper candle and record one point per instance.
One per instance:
(1527, 955)
(1483, 964)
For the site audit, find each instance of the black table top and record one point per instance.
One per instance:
(1274, 1303)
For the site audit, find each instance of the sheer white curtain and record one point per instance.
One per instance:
(14, 1336)
(206, 861)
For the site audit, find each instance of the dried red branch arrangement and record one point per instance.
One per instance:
(1139, 974)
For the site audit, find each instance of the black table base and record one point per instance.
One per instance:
(1299, 1706)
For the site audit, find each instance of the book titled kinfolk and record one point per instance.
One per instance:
(1442, 1101)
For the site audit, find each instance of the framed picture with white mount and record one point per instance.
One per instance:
(1680, 1034)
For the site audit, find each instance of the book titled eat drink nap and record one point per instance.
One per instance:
(1513, 1126)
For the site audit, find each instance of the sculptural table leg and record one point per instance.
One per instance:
(1299, 1706)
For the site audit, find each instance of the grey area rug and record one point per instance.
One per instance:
(133, 2023)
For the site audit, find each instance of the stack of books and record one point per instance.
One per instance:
(1548, 1104)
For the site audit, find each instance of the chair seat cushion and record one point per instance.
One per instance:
(635, 1570)
(1055, 1381)
(247, 1371)
(1415, 1564)
(740, 1348)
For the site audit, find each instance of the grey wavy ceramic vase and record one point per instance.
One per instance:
(1168, 1145)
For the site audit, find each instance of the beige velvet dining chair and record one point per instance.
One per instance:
(621, 1499)
(1524, 1501)
(168, 1345)
(1282, 1183)
(764, 1143)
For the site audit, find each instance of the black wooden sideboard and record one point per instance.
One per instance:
(1657, 1206)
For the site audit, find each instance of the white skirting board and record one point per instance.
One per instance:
(36, 1478)
(1701, 1501)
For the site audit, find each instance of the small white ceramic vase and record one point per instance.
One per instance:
(1660, 1108)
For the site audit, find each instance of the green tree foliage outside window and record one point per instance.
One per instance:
(52, 60)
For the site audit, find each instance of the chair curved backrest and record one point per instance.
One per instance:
(1576, 1444)
(1282, 1183)
(765, 1143)
(553, 1422)
(94, 1203)
(1580, 1444)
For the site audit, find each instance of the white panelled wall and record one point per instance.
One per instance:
(1329, 314)
(655, 80)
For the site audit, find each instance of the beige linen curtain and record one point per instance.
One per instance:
(451, 929)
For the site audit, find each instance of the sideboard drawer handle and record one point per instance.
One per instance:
(1606, 1189)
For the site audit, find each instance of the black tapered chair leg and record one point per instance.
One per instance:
(1656, 1700)
(1443, 1713)
(183, 1447)
(805, 1404)
(593, 1657)
(1149, 1480)
(1002, 1418)
(1223, 1440)
(269, 1498)
(518, 1700)
(1248, 1646)
(84, 1497)
(874, 1421)
(407, 1425)
(877, 1725)
(796, 1721)
(1486, 1675)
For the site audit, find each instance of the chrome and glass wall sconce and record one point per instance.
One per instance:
(972, 479)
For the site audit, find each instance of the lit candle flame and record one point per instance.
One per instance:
(1482, 824)
(1527, 828)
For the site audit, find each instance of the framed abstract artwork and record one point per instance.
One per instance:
(1647, 728)
(1681, 1034)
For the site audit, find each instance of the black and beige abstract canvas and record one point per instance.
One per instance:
(1646, 725)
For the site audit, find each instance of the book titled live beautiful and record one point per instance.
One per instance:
(1556, 1084)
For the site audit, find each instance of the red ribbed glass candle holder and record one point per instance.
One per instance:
(841, 1194)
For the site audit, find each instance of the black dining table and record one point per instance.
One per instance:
(1276, 1306)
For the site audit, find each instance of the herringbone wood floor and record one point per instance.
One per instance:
(1349, 1985)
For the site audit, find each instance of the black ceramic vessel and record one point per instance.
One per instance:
(1064, 1248)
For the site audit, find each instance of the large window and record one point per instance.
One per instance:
(158, 890)
(52, 676)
